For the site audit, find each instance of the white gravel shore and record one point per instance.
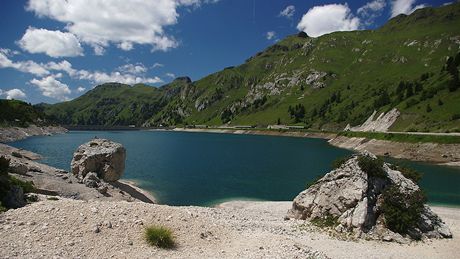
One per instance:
(239, 229)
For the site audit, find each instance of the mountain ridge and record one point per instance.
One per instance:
(320, 83)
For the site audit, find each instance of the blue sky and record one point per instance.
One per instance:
(56, 50)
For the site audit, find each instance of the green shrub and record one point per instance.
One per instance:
(26, 186)
(159, 236)
(326, 221)
(409, 173)
(32, 198)
(373, 167)
(339, 162)
(402, 211)
(52, 198)
(2, 209)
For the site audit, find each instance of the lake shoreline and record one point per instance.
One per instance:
(439, 154)
(11, 134)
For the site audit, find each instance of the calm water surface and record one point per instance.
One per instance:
(203, 168)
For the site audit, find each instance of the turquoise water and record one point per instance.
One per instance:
(203, 168)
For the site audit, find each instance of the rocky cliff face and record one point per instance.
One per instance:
(355, 199)
(380, 124)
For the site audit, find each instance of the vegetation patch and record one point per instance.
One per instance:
(52, 198)
(401, 210)
(328, 221)
(337, 163)
(7, 181)
(372, 166)
(159, 236)
(409, 173)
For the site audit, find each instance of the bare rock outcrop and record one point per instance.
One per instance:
(358, 201)
(380, 124)
(102, 158)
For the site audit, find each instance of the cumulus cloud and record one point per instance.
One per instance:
(9, 52)
(52, 43)
(171, 75)
(321, 20)
(288, 12)
(81, 89)
(270, 35)
(404, 7)
(27, 66)
(157, 65)
(102, 77)
(13, 94)
(127, 74)
(135, 69)
(122, 22)
(371, 10)
(51, 87)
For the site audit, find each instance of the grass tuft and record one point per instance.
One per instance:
(159, 236)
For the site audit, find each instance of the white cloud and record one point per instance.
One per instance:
(102, 77)
(50, 87)
(171, 75)
(288, 12)
(157, 65)
(135, 69)
(270, 35)
(122, 22)
(64, 65)
(13, 94)
(404, 7)
(371, 10)
(127, 74)
(52, 43)
(81, 89)
(9, 52)
(324, 19)
(27, 66)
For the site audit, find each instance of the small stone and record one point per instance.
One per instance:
(102, 189)
(108, 224)
(130, 243)
(96, 229)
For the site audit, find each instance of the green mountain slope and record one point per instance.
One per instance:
(322, 83)
(20, 114)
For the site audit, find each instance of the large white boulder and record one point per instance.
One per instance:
(100, 156)
(354, 199)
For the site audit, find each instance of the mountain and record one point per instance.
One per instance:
(20, 114)
(411, 64)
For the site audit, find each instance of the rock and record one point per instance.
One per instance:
(16, 154)
(18, 168)
(355, 199)
(96, 229)
(102, 189)
(14, 198)
(91, 180)
(380, 124)
(108, 224)
(102, 156)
